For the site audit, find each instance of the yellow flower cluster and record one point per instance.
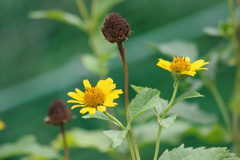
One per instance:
(95, 97)
(182, 66)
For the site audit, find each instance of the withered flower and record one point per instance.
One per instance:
(115, 28)
(58, 113)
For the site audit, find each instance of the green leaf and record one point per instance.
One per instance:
(137, 88)
(212, 31)
(94, 65)
(146, 133)
(61, 16)
(146, 99)
(179, 48)
(212, 66)
(163, 104)
(116, 136)
(81, 138)
(27, 145)
(214, 134)
(182, 153)
(192, 113)
(186, 95)
(167, 122)
(99, 115)
(104, 7)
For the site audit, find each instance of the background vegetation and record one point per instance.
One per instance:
(41, 61)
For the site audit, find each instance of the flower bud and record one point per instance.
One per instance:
(115, 28)
(58, 113)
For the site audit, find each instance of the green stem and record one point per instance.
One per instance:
(218, 98)
(94, 7)
(115, 120)
(170, 105)
(127, 136)
(236, 93)
(122, 55)
(83, 9)
(66, 154)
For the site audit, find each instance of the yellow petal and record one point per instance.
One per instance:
(80, 93)
(101, 108)
(75, 96)
(114, 94)
(101, 84)
(190, 73)
(92, 111)
(86, 83)
(106, 85)
(198, 64)
(74, 101)
(187, 59)
(164, 64)
(75, 106)
(109, 104)
(84, 110)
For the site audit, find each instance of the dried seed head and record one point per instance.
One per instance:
(58, 113)
(115, 28)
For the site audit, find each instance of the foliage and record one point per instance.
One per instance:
(182, 153)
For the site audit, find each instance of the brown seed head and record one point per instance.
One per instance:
(115, 28)
(58, 113)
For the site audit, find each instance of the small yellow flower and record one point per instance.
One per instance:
(182, 66)
(2, 125)
(95, 97)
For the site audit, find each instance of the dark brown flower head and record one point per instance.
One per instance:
(58, 113)
(115, 28)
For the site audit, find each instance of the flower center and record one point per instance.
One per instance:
(180, 64)
(93, 97)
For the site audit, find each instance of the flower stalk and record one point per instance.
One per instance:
(236, 91)
(122, 55)
(218, 98)
(127, 136)
(169, 106)
(66, 153)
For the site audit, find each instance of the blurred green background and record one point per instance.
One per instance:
(41, 61)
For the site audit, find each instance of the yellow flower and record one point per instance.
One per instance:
(95, 97)
(182, 66)
(2, 125)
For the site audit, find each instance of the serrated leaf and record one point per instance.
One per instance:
(146, 99)
(94, 65)
(167, 122)
(186, 95)
(182, 153)
(99, 115)
(138, 89)
(116, 136)
(61, 16)
(179, 48)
